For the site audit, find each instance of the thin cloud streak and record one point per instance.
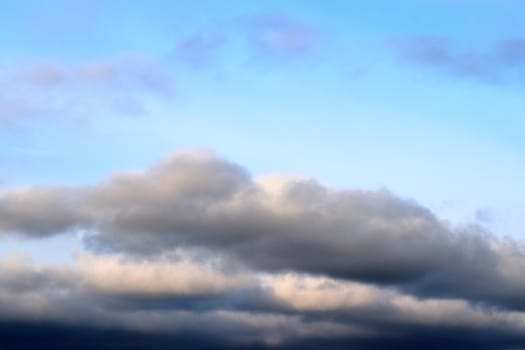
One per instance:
(503, 61)
(59, 92)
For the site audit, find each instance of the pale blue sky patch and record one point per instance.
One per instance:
(300, 87)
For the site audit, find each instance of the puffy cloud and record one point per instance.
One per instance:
(195, 199)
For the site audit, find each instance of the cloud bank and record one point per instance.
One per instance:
(196, 245)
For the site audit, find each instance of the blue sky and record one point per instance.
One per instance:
(406, 115)
(350, 110)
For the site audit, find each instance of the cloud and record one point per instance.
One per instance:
(197, 200)
(277, 37)
(201, 48)
(485, 215)
(122, 85)
(127, 72)
(503, 61)
(178, 276)
(195, 245)
(282, 37)
(43, 90)
(183, 297)
(15, 108)
(39, 211)
(124, 72)
(96, 293)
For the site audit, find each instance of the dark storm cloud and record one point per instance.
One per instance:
(503, 61)
(197, 200)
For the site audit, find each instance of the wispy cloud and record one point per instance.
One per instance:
(276, 37)
(200, 49)
(77, 92)
(502, 61)
(126, 72)
(282, 36)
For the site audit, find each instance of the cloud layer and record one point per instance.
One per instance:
(195, 239)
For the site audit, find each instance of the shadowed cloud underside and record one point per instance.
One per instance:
(195, 242)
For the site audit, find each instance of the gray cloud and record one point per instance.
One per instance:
(181, 293)
(39, 211)
(503, 61)
(113, 292)
(197, 200)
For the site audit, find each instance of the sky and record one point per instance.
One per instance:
(262, 174)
